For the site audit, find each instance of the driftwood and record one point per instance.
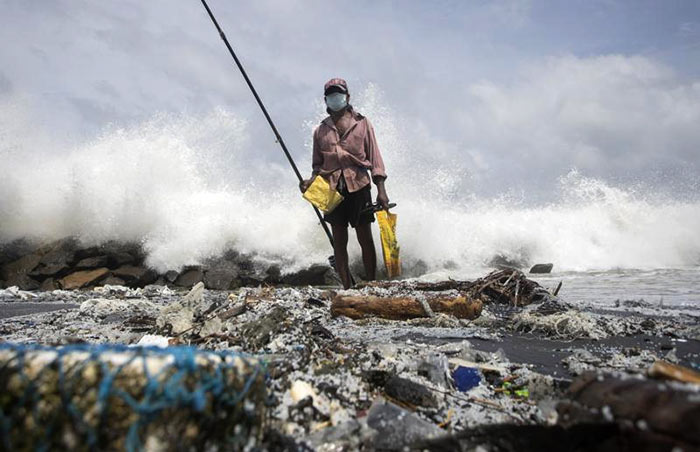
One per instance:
(662, 417)
(508, 286)
(403, 308)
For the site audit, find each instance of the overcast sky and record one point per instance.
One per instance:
(515, 92)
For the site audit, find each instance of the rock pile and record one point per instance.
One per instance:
(66, 264)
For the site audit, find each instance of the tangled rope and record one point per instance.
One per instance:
(96, 397)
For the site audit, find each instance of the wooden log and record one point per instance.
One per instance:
(403, 308)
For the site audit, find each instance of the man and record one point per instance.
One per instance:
(345, 153)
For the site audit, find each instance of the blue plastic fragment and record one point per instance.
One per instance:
(466, 378)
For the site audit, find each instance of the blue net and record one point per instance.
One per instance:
(103, 397)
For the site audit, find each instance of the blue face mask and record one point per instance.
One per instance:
(336, 101)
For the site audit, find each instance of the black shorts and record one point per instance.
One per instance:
(350, 209)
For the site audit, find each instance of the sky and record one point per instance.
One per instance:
(510, 94)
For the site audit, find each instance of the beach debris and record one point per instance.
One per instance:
(527, 438)
(541, 268)
(111, 397)
(435, 367)
(153, 340)
(390, 246)
(409, 392)
(403, 308)
(15, 292)
(567, 325)
(466, 378)
(178, 317)
(668, 371)
(397, 428)
(663, 416)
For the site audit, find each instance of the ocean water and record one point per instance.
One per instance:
(190, 187)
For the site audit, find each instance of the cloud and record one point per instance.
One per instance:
(607, 115)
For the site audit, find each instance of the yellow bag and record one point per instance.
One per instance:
(321, 195)
(390, 247)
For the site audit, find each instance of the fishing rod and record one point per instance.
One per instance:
(272, 126)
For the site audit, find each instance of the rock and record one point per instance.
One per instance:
(83, 278)
(189, 278)
(503, 262)
(408, 391)
(170, 276)
(316, 275)
(122, 258)
(542, 268)
(135, 276)
(48, 285)
(113, 281)
(42, 270)
(60, 253)
(10, 252)
(92, 262)
(220, 278)
(22, 281)
(21, 266)
(397, 428)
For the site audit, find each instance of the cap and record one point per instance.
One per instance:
(336, 83)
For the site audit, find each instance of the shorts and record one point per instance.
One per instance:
(349, 211)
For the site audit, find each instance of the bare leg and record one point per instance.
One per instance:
(340, 249)
(369, 255)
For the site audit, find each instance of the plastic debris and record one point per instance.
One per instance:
(466, 378)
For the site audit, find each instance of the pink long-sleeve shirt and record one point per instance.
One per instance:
(352, 155)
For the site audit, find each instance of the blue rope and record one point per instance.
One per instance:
(179, 384)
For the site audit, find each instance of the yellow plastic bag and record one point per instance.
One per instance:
(321, 195)
(390, 246)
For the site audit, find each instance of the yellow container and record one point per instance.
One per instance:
(321, 195)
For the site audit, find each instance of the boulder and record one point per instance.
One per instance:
(48, 285)
(83, 278)
(60, 253)
(10, 252)
(189, 278)
(542, 268)
(170, 276)
(118, 259)
(220, 278)
(316, 275)
(93, 262)
(43, 271)
(22, 281)
(135, 276)
(21, 266)
(113, 281)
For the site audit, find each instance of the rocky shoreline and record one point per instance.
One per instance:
(434, 382)
(66, 264)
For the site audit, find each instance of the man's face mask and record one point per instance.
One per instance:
(336, 101)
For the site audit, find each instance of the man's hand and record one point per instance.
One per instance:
(383, 200)
(304, 185)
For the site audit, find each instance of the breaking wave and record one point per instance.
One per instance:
(189, 188)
